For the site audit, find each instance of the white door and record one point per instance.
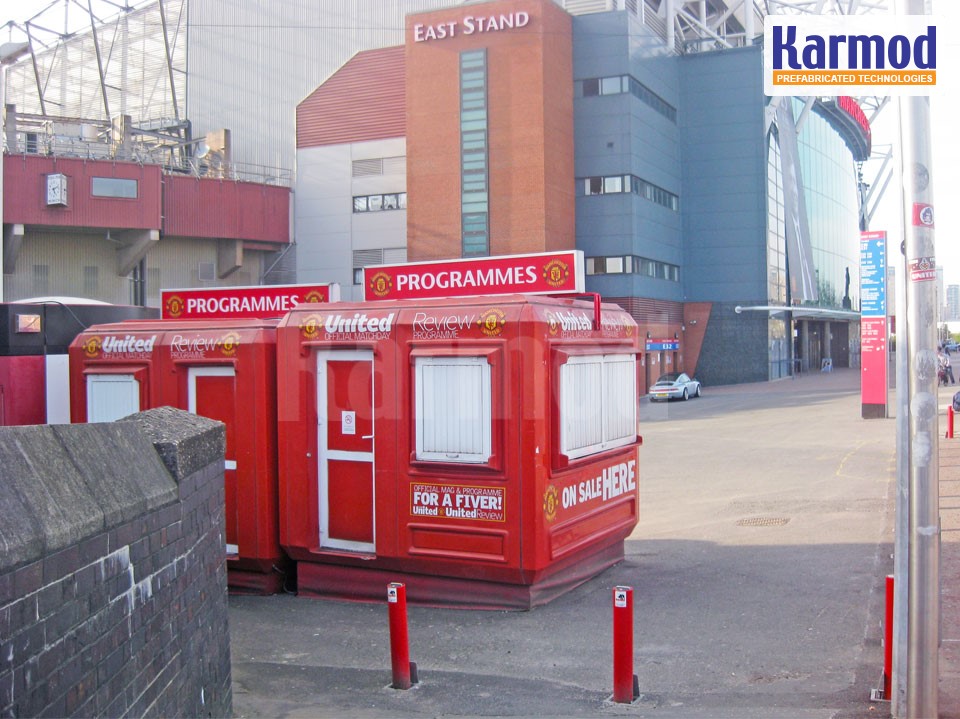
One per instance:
(211, 392)
(111, 397)
(345, 448)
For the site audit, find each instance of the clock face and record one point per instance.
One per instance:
(56, 187)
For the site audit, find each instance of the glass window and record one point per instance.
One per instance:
(360, 204)
(473, 153)
(591, 87)
(113, 187)
(612, 184)
(614, 265)
(611, 85)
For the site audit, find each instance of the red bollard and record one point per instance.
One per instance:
(950, 414)
(404, 671)
(625, 682)
(888, 641)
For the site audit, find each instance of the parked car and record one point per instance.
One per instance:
(675, 385)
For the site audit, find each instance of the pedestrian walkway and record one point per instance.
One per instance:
(950, 563)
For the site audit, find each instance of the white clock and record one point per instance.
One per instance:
(56, 189)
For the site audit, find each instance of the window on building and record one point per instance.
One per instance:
(631, 265)
(619, 84)
(598, 408)
(113, 187)
(376, 256)
(474, 178)
(453, 409)
(378, 203)
(613, 184)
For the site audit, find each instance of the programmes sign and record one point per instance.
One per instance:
(548, 273)
(259, 302)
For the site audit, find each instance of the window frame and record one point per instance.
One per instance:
(564, 454)
(491, 455)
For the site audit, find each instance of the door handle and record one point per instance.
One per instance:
(367, 436)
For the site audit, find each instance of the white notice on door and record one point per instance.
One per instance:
(348, 422)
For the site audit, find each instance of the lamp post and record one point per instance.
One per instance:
(10, 52)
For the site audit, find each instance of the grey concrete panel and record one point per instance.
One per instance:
(21, 538)
(105, 456)
(35, 467)
(185, 442)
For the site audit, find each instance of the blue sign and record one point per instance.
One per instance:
(873, 274)
(663, 345)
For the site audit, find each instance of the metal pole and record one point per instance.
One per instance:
(901, 573)
(10, 52)
(922, 321)
(404, 672)
(888, 640)
(624, 680)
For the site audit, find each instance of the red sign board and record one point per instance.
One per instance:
(548, 273)
(873, 371)
(258, 302)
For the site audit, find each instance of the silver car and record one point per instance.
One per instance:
(675, 385)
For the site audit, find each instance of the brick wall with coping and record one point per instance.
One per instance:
(113, 598)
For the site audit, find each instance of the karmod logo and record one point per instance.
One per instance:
(849, 55)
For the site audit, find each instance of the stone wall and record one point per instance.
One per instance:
(113, 598)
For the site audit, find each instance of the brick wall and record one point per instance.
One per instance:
(113, 594)
(529, 130)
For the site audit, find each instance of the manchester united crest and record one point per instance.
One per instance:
(174, 306)
(381, 284)
(556, 273)
(492, 321)
(91, 348)
(551, 499)
(311, 326)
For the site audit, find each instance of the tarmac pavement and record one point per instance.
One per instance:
(949, 561)
(757, 566)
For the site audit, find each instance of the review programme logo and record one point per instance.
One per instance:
(849, 55)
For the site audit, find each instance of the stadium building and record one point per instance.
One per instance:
(726, 222)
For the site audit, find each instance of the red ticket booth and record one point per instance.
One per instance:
(482, 450)
(223, 369)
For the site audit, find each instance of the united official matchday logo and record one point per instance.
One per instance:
(849, 55)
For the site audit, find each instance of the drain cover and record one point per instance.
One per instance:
(762, 521)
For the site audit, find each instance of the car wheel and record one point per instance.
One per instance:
(686, 395)
(697, 393)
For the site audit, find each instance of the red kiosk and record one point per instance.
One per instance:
(213, 353)
(482, 450)
(226, 372)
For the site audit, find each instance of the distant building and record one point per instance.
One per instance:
(724, 221)
(952, 312)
